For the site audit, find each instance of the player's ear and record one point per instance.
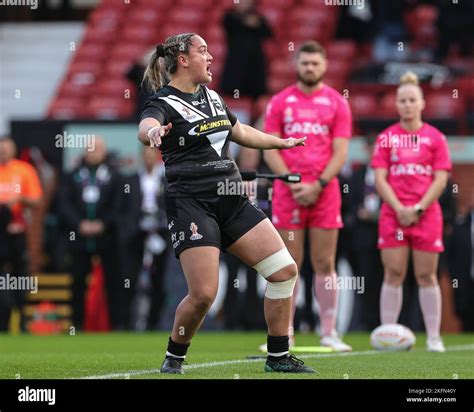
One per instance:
(183, 60)
(423, 103)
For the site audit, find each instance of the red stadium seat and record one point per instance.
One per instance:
(443, 106)
(117, 68)
(96, 34)
(341, 50)
(465, 87)
(283, 67)
(128, 51)
(196, 4)
(110, 108)
(300, 34)
(186, 16)
(363, 105)
(145, 16)
(139, 33)
(282, 4)
(106, 18)
(214, 34)
(339, 68)
(273, 16)
(387, 105)
(88, 51)
(117, 88)
(68, 108)
(84, 72)
(69, 89)
(160, 5)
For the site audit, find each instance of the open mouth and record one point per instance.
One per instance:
(208, 70)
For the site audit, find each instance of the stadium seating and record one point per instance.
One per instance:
(118, 33)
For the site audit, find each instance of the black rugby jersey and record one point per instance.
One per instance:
(196, 149)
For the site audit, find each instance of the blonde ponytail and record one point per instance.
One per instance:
(409, 78)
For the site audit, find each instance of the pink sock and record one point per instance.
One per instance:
(390, 303)
(430, 302)
(326, 293)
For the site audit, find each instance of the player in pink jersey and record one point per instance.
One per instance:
(313, 109)
(412, 163)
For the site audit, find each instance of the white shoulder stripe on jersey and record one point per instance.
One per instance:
(190, 107)
(215, 96)
(211, 104)
(183, 110)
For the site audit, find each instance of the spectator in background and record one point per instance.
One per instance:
(455, 21)
(390, 30)
(461, 267)
(135, 74)
(20, 189)
(244, 68)
(365, 208)
(89, 200)
(143, 235)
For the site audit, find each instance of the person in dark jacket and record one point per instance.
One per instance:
(461, 265)
(89, 201)
(244, 69)
(144, 239)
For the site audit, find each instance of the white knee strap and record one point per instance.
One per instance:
(274, 263)
(280, 290)
(271, 265)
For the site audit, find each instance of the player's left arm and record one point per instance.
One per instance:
(340, 148)
(342, 132)
(248, 136)
(436, 188)
(441, 169)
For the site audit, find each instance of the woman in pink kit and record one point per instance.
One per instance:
(412, 163)
(313, 109)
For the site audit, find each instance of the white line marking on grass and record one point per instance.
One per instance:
(454, 348)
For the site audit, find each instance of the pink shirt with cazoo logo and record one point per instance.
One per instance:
(321, 116)
(411, 159)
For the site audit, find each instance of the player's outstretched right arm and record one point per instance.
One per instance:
(150, 131)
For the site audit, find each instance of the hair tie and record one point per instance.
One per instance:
(160, 50)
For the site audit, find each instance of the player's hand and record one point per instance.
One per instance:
(292, 142)
(158, 133)
(305, 194)
(407, 216)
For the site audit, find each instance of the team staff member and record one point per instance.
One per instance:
(412, 163)
(311, 108)
(20, 189)
(193, 128)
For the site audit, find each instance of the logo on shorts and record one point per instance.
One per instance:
(295, 218)
(438, 243)
(194, 229)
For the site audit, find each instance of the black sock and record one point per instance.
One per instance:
(279, 346)
(177, 350)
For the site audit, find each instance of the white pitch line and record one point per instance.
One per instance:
(454, 348)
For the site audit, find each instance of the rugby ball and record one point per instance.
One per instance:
(392, 337)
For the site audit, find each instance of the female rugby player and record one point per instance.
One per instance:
(193, 127)
(411, 162)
